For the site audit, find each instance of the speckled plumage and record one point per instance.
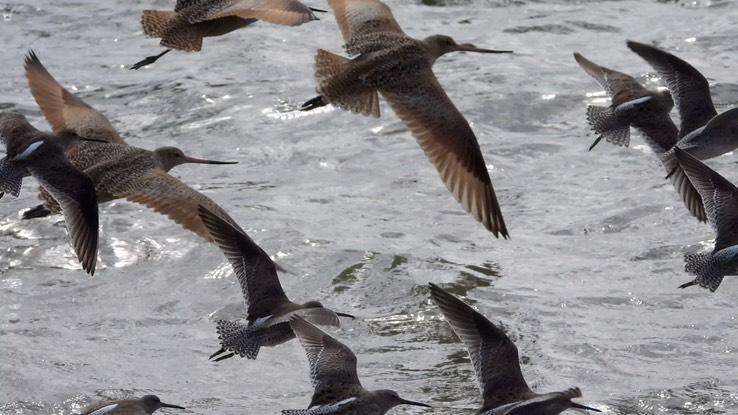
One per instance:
(496, 364)
(720, 198)
(268, 307)
(337, 389)
(192, 20)
(399, 68)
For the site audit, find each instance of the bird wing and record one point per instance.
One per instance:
(332, 364)
(360, 17)
(689, 88)
(450, 144)
(64, 110)
(611, 81)
(75, 193)
(281, 12)
(719, 196)
(255, 270)
(493, 354)
(165, 194)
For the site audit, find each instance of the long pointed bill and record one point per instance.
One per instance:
(203, 161)
(345, 315)
(468, 47)
(166, 405)
(406, 402)
(586, 408)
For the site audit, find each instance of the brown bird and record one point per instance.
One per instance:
(144, 406)
(118, 170)
(269, 309)
(400, 68)
(191, 20)
(31, 152)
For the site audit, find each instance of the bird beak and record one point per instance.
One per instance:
(345, 315)
(468, 47)
(406, 402)
(166, 405)
(202, 161)
(586, 408)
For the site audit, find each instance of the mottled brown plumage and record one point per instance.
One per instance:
(192, 20)
(400, 69)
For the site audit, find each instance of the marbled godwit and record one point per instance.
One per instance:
(333, 375)
(400, 68)
(191, 20)
(119, 170)
(269, 309)
(702, 132)
(648, 112)
(32, 152)
(144, 406)
(721, 205)
(496, 363)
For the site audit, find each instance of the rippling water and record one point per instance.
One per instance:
(586, 287)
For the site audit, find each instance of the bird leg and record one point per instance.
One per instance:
(148, 60)
(314, 103)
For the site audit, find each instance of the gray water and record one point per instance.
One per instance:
(586, 287)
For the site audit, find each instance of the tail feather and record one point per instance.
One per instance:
(707, 269)
(155, 23)
(609, 125)
(349, 94)
(237, 338)
(11, 177)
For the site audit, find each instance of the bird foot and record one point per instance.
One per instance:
(314, 103)
(148, 60)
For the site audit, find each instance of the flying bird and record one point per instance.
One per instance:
(497, 365)
(399, 67)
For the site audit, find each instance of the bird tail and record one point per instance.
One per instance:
(156, 22)
(706, 268)
(11, 177)
(237, 338)
(347, 94)
(608, 125)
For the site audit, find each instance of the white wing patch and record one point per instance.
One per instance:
(27, 152)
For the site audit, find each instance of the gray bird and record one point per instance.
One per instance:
(632, 105)
(144, 406)
(268, 307)
(334, 378)
(721, 204)
(496, 363)
(702, 132)
(31, 152)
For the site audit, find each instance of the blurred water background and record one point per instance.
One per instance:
(586, 287)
